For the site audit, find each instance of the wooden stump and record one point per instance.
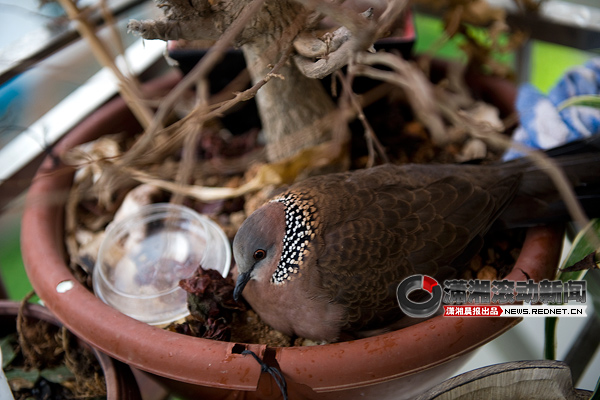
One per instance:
(527, 380)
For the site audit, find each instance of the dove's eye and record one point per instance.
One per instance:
(259, 254)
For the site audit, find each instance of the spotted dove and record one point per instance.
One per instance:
(327, 255)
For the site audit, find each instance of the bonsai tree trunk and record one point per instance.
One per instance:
(292, 107)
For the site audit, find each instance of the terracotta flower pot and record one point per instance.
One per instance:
(399, 364)
(120, 382)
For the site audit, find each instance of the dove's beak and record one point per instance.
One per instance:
(242, 280)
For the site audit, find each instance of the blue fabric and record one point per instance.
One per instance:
(543, 126)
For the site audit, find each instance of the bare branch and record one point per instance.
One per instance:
(201, 70)
(127, 86)
(168, 29)
(307, 45)
(335, 50)
(338, 49)
(203, 193)
(412, 79)
(371, 138)
(186, 167)
(392, 13)
(326, 66)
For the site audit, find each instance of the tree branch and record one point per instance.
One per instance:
(127, 87)
(408, 76)
(200, 71)
(373, 143)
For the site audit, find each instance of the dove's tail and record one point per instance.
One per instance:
(538, 200)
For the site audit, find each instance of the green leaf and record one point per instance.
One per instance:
(19, 378)
(584, 100)
(59, 374)
(7, 344)
(580, 249)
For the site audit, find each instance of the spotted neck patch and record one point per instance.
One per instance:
(300, 225)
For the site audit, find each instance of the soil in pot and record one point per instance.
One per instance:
(43, 360)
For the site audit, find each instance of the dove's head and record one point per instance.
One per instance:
(257, 246)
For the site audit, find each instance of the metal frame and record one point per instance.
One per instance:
(46, 41)
(20, 158)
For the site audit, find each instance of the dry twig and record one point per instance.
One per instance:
(412, 80)
(127, 86)
(373, 143)
(200, 71)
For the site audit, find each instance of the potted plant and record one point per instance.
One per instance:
(406, 361)
(54, 359)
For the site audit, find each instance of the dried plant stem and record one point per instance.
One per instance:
(127, 87)
(410, 78)
(200, 71)
(352, 37)
(373, 143)
(28, 349)
(65, 341)
(116, 37)
(201, 112)
(326, 66)
(364, 31)
(391, 14)
(201, 193)
(220, 108)
(186, 167)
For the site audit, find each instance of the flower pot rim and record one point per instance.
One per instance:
(203, 361)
